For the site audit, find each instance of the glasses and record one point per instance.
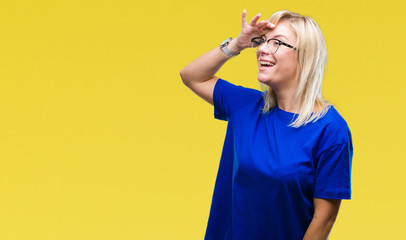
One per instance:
(272, 43)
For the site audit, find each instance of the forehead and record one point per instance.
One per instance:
(282, 31)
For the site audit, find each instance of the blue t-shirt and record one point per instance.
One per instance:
(269, 172)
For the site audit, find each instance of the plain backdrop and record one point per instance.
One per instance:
(99, 138)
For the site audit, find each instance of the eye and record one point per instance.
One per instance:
(257, 41)
(276, 43)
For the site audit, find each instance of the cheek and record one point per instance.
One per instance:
(289, 64)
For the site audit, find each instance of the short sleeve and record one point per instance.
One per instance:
(333, 173)
(228, 98)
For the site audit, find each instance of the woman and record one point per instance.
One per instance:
(286, 160)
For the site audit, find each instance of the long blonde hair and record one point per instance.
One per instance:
(312, 57)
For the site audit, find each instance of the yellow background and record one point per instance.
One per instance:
(99, 139)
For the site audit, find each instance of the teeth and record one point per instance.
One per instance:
(266, 63)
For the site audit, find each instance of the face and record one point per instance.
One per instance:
(283, 72)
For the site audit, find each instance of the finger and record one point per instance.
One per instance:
(244, 18)
(265, 25)
(261, 26)
(262, 23)
(271, 25)
(255, 19)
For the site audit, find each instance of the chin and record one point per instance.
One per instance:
(265, 80)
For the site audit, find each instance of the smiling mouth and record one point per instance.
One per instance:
(266, 64)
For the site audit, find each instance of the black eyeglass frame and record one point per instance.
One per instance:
(259, 41)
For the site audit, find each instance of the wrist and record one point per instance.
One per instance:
(225, 47)
(233, 47)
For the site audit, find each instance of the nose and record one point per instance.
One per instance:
(263, 49)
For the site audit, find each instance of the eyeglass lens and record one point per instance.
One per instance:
(273, 45)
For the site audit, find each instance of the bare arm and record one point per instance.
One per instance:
(199, 75)
(325, 214)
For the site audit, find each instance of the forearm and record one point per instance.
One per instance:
(319, 229)
(207, 65)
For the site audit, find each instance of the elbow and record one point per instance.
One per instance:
(183, 76)
(330, 222)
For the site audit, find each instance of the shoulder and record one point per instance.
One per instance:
(335, 123)
(229, 98)
(223, 85)
(335, 130)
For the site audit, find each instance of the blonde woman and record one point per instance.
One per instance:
(287, 155)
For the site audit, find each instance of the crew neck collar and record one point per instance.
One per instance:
(285, 114)
(289, 115)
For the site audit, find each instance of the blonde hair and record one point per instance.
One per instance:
(312, 57)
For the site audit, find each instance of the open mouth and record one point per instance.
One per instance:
(266, 64)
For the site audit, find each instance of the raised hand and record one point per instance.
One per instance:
(251, 30)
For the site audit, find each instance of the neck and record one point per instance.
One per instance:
(285, 99)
